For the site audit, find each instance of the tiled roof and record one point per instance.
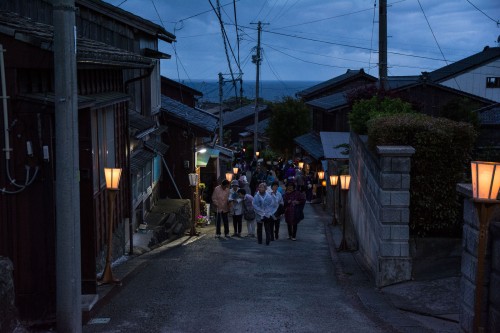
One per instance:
(140, 158)
(311, 142)
(129, 18)
(261, 127)
(330, 140)
(334, 81)
(143, 125)
(88, 51)
(489, 115)
(329, 102)
(488, 54)
(241, 113)
(196, 117)
(156, 146)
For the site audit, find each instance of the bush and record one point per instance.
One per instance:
(442, 151)
(366, 109)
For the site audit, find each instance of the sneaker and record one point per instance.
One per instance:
(227, 236)
(289, 237)
(294, 239)
(234, 235)
(238, 235)
(217, 236)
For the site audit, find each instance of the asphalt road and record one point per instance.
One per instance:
(237, 285)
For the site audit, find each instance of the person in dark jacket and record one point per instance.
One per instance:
(294, 201)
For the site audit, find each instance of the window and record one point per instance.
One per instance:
(103, 143)
(493, 82)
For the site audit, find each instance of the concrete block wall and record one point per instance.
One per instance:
(379, 201)
(490, 315)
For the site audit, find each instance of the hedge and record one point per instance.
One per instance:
(442, 151)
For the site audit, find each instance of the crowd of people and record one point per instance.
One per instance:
(262, 202)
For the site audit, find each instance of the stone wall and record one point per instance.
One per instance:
(378, 206)
(490, 314)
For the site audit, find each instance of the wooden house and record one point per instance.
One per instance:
(478, 74)
(116, 66)
(238, 120)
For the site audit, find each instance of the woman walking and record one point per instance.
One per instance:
(294, 204)
(265, 205)
(248, 211)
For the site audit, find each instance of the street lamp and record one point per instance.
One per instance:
(112, 176)
(334, 179)
(229, 176)
(321, 176)
(485, 187)
(301, 165)
(235, 170)
(257, 154)
(345, 181)
(193, 181)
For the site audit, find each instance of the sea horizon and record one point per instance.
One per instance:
(269, 90)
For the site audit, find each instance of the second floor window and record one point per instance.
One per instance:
(493, 82)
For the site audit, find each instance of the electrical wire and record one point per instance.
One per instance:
(473, 5)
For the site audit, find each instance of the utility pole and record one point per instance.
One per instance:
(256, 59)
(221, 115)
(382, 41)
(68, 251)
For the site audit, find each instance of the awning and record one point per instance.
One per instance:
(202, 158)
(331, 141)
(142, 125)
(140, 159)
(311, 143)
(156, 146)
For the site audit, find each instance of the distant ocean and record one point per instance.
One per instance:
(273, 91)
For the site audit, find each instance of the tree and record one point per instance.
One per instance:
(289, 119)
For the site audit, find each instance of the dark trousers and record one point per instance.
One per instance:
(267, 227)
(223, 217)
(237, 223)
(275, 229)
(292, 230)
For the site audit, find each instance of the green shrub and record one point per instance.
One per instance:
(366, 109)
(442, 152)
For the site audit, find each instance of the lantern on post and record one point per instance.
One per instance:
(485, 191)
(112, 176)
(229, 176)
(235, 170)
(301, 165)
(193, 181)
(334, 179)
(345, 181)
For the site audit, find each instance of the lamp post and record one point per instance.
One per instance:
(345, 181)
(229, 176)
(301, 165)
(257, 153)
(235, 170)
(485, 187)
(197, 170)
(193, 181)
(334, 179)
(112, 176)
(321, 176)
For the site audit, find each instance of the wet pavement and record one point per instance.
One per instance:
(204, 284)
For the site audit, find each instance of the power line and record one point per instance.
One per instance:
(473, 5)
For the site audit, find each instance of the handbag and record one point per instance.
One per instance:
(248, 214)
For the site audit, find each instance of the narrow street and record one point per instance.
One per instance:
(237, 285)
